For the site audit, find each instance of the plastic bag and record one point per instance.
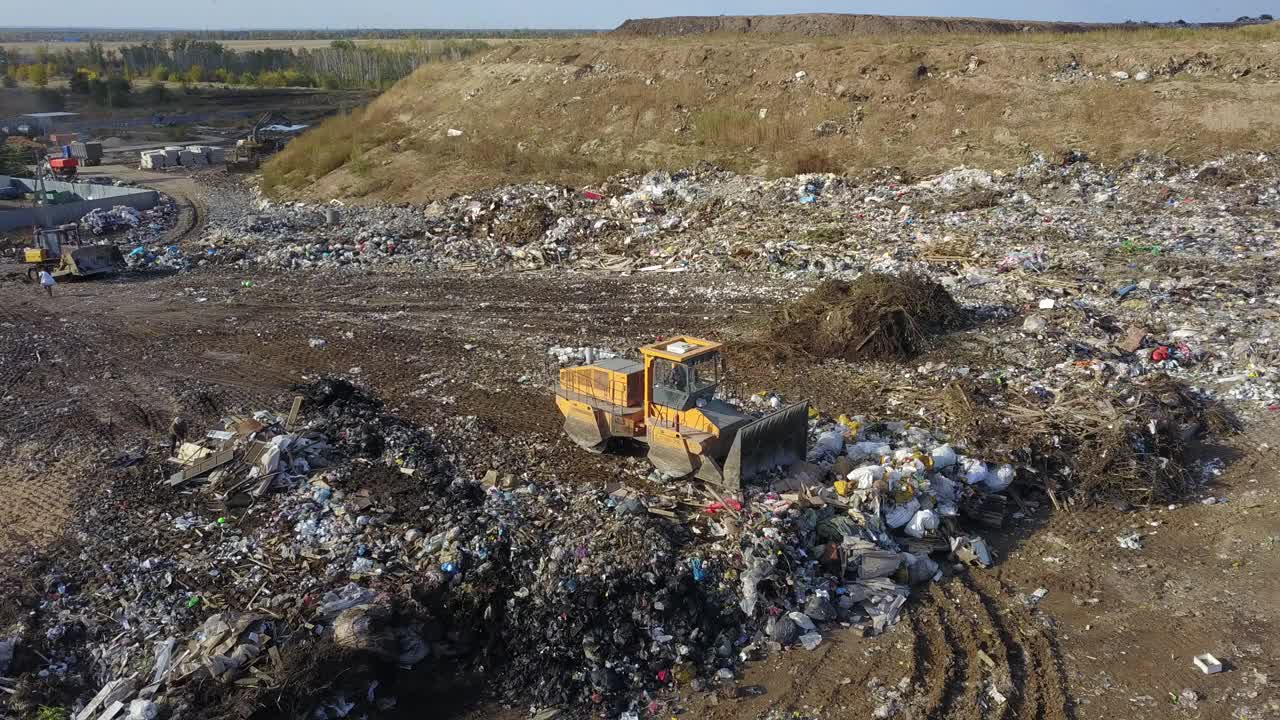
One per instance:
(975, 471)
(868, 449)
(944, 456)
(942, 487)
(922, 522)
(920, 568)
(829, 444)
(899, 515)
(866, 476)
(1001, 479)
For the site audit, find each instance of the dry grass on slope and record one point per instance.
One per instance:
(578, 111)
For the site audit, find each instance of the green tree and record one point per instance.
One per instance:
(220, 75)
(175, 77)
(12, 160)
(272, 79)
(195, 74)
(159, 73)
(79, 83)
(118, 92)
(248, 79)
(98, 92)
(38, 75)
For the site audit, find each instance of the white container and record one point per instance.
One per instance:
(1208, 664)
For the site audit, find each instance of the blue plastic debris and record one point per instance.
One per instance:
(699, 573)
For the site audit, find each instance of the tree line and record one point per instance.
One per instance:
(184, 60)
(56, 35)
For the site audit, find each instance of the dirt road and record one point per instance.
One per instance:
(103, 366)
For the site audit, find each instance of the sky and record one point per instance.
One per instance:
(312, 14)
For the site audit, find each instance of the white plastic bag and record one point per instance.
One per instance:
(944, 456)
(974, 471)
(866, 476)
(1001, 479)
(922, 522)
(899, 515)
(829, 444)
(942, 487)
(868, 449)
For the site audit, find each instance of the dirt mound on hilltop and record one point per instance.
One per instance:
(876, 317)
(820, 24)
(576, 112)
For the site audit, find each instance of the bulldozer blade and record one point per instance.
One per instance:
(90, 260)
(672, 458)
(777, 440)
(585, 431)
(709, 471)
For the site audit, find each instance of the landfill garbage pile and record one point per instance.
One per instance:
(1127, 446)
(367, 539)
(168, 258)
(142, 231)
(875, 317)
(1146, 267)
(139, 627)
(100, 221)
(707, 219)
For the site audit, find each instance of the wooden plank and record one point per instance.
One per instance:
(293, 412)
(203, 465)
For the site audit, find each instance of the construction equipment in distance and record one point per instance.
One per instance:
(667, 401)
(88, 153)
(58, 250)
(251, 150)
(62, 168)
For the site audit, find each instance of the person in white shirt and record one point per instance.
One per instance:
(47, 282)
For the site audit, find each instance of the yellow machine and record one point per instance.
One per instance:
(667, 401)
(54, 252)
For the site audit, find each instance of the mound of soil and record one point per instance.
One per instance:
(820, 24)
(524, 225)
(876, 317)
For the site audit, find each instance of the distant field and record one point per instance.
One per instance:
(27, 48)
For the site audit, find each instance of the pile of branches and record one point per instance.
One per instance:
(1130, 445)
(876, 317)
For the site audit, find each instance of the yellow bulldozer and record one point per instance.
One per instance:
(667, 401)
(58, 250)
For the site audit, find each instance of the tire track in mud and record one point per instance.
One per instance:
(1009, 674)
(1031, 655)
(961, 616)
(967, 628)
(935, 654)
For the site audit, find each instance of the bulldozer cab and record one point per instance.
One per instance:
(47, 243)
(682, 373)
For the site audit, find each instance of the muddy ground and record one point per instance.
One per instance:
(103, 367)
